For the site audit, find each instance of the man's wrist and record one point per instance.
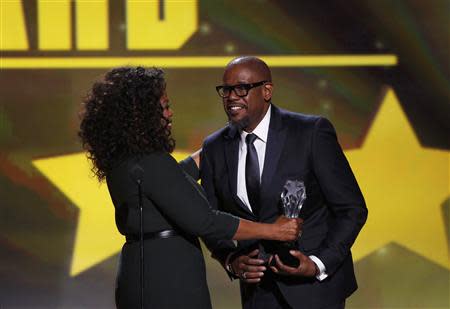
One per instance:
(322, 274)
(230, 269)
(317, 272)
(229, 265)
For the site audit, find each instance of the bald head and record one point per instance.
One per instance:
(259, 68)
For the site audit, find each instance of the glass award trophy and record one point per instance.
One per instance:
(292, 198)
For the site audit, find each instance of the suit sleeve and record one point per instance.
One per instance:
(220, 249)
(342, 195)
(189, 166)
(182, 201)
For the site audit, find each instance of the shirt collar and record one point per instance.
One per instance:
(261, 130)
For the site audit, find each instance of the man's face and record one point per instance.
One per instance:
(248, 111)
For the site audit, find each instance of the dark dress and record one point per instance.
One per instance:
(174, 268)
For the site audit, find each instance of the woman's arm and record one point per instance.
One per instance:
(182, 202)
(191, 165)
(283, 229)
(196, 157)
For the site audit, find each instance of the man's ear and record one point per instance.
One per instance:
(267, 91)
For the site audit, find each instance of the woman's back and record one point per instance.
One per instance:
(171, 199)
(174, 269)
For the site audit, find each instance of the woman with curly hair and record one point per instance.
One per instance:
(126, 131)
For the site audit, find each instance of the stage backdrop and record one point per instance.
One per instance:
(379, 70)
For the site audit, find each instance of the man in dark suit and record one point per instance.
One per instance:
(244, 168)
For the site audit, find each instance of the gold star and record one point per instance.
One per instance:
(97, 237)
(404, 185)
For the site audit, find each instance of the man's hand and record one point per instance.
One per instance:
(248, 267)
(307, 267)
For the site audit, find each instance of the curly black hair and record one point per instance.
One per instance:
(122, 116)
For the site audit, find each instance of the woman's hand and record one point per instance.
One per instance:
(283, 229)
(286, 229)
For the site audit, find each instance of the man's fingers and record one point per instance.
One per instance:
(247, 259)
(253, 275)
(253, 269)
(297, 254)
(254, 261)
(254, 253)
(283, 267)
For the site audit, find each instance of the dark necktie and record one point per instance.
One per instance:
(252, 174)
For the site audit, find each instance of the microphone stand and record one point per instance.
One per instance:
(141, 241)
(137, 174)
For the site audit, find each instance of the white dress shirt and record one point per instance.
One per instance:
(261, 131)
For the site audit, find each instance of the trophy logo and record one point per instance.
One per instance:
(293, 197)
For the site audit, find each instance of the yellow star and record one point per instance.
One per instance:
(404, 185)
(97, 237)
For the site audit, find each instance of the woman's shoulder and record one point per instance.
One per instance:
(154, 159)
(156, 163)
(151, 164)
(150, 160)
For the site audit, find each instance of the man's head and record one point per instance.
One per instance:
(246, 91)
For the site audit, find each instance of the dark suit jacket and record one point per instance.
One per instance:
(300, 147)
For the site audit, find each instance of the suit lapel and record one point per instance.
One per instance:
(232, 157)
(275, 144)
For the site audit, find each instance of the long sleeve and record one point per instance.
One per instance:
(342, 195)
(220, 249)
(181, 200)
(189, 166)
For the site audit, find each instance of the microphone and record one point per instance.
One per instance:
(137, 174)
